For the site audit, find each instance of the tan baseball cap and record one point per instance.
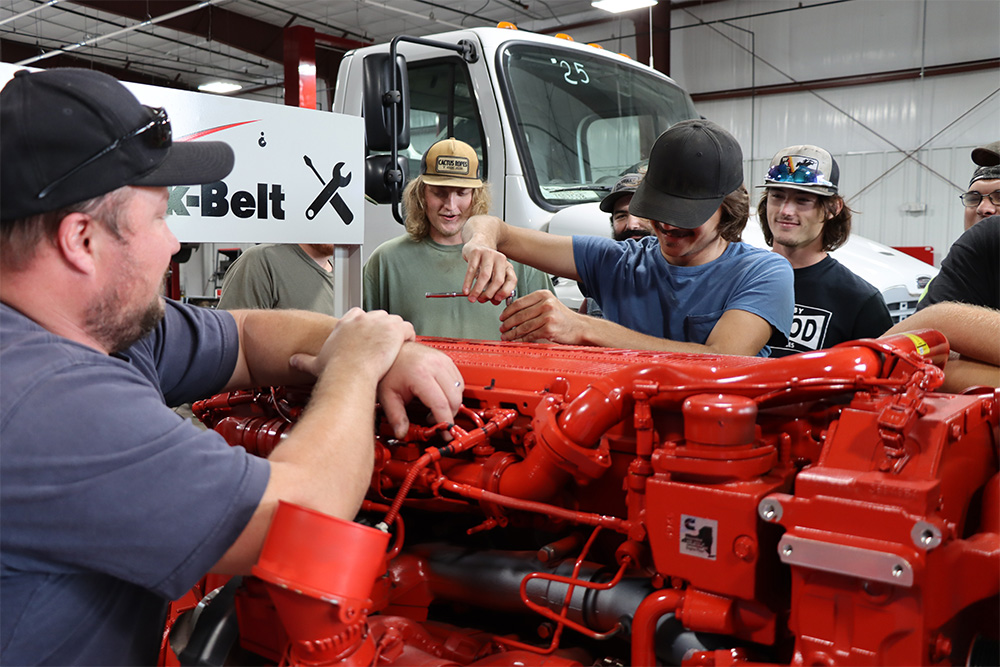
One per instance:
(451, 163)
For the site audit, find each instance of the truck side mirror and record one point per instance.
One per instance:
(379, 98)
(381, 179)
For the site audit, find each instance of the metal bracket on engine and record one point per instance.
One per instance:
(851, 561)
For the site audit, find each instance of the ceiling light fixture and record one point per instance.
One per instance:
(619, 6)
(220, 87)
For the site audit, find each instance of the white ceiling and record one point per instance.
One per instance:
(215, 41)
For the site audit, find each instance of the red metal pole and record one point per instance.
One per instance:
(300, 67)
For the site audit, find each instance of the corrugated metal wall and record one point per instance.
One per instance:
(902, 201)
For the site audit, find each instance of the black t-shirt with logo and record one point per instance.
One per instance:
(833, 305)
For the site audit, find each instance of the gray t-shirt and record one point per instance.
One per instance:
(112, 503)
(278, 276)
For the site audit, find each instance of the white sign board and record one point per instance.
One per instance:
(298, 178)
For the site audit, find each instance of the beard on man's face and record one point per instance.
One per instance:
(117, 328)
(626, 234)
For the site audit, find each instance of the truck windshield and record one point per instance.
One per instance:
(581, 120)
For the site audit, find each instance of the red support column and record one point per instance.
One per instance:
(300, 66)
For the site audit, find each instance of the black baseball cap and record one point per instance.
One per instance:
(987, 155)
(626, 185)
(71, 134)
(692, 167)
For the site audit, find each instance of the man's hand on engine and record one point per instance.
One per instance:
(370, 339)
(426, 374)
(540, 317)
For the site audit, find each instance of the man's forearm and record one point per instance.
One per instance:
(960, 374)
(550, 253)
(972, 331)
(486, 228)
(325, 463)
(737, 333)
(604, 333)
(268, 338)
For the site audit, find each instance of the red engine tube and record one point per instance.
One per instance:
(498, 420)
(321, 589)
(258, 435)
(651, 610)
(567, 438)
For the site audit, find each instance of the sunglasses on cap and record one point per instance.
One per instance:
(973, 198)
(803, 174)
(156, 133)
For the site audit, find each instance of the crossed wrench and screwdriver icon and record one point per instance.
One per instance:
(329, 193)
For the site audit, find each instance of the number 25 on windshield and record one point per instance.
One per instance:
(574, 74)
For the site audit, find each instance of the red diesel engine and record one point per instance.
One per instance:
(612, 507)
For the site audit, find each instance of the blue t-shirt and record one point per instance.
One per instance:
(112, 504)
(637, 288)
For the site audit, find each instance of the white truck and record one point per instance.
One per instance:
(555, 123)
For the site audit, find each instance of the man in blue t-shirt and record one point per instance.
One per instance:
(692, 287)
(112, 503)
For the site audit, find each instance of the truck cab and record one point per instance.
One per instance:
(555, 123)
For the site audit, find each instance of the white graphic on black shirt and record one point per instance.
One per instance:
(809, 327)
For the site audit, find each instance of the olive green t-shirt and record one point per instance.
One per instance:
(278, 276)
(401, 271)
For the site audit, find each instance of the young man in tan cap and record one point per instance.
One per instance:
(692, 287)
(803, 217)
(428, 260)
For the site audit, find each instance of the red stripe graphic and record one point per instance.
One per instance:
(204, 133)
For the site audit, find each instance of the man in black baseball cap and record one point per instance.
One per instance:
(982, 200)
(63, 144)
(625, 225)
(692, 287)
(112, 503)
(963, 299)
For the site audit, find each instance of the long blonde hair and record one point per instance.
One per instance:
(415, 207)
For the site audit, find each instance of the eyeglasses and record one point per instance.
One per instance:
(157, 134)
(801, 200)
(973, 198)
(786, 171)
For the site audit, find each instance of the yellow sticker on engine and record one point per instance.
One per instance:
(922, 347)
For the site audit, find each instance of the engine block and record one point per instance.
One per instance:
(613, 507)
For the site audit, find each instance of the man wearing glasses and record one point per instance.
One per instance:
(963, 300)
(983, 198)
(803, 217)
(970, 273)
(112, 503)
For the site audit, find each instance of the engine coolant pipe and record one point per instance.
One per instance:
(492, 580)
(319, 571)
(568, 437)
